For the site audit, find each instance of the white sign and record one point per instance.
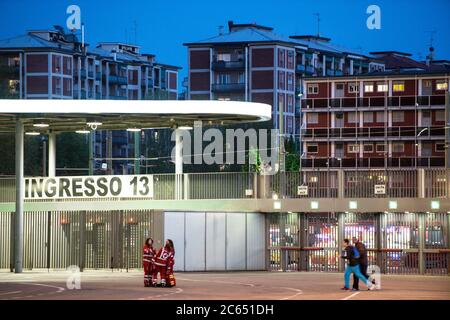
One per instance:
(380, 189)
(129, 186)
(302, 190)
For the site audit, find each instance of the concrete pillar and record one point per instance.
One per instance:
(137, 152)
(421, 243)
(378, 242)
(421, 183)
(341, 183)
(448, 242)
(91, 152)
(51, 154)
(341, 236)
(178, 164)
(303, 239)
(20, 191)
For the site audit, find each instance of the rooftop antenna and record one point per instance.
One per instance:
(135, 31)
(318, 23)
(430, 56)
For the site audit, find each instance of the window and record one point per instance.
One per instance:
(224, 57)
(381, 117)
(312, 148)
(352, 117)
(353, 88)
(398, 147)
(368, 147)
(241, 77)
(368, 116)
(313, 117)
(398, 86)
(441, 85)
(427, 83)
(368, 87)
(440, 147)
(382, 87)
(339, 86)
(381, 147)
(313, 88)
(353, 148)
(398, 116)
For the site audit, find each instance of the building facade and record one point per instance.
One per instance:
(253, 63)
(376, 120)
(50, 64)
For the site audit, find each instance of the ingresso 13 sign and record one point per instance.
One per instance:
(128, 186)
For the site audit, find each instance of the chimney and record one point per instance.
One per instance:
(220, 30)
(230, 25)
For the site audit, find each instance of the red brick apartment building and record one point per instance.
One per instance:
(253, 63)
(386, 119)
(53, 64)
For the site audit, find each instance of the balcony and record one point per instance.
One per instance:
(376, 102)
(117, 97)
(9, 72)
(98, 75)
(228, 87)
(120, 80)
(79, 73)
(318, 163)
(228, 65)
(372, 133)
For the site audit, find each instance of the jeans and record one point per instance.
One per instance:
(355, 270)
(363, 269)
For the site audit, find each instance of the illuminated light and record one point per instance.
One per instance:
(393, 204)
(353, 204)
(133, 130)
(435, 205)
(82, 131)
(277, 205)
(274, 196)
(314, 204)
(94, 123)
(185, 128)
(40, 125)
(32, 133)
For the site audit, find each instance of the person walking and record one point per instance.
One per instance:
(362, 262)
(351, 255)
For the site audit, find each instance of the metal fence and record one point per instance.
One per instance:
(397, 243)
(398, 183)
(92, 240)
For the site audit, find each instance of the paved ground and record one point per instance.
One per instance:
(232, 285)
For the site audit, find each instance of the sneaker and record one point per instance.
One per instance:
(345, 288)
(371, 287)
(355, 289)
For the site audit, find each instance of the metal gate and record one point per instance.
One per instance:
(93, 240)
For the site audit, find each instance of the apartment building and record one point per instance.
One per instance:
(253, 63)
(52, 64)
(383, 119)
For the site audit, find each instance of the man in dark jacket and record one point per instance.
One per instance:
(362, 262)
(352, 266)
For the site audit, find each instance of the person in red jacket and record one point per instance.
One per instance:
(148, 259)
(164, 261)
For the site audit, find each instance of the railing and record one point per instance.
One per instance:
(333, 183)
(319, 163)
(228, 65)
(121, 80)
(228, 87)
(375, 102)
(372, 132)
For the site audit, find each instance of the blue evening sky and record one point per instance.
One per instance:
(163, 25)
